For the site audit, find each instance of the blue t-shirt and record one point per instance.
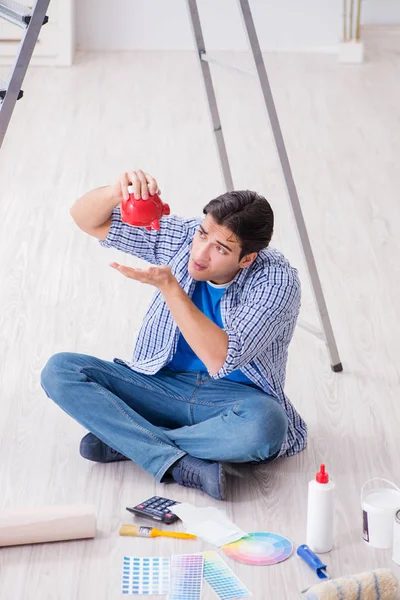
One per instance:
(207, 297)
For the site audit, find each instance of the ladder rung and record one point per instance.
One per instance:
(17, 13)
(3, 91)
(215, 61)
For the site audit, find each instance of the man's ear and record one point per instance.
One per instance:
(248, 260)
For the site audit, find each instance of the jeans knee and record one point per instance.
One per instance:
(278, 425)
(269, 428)
(52, 369)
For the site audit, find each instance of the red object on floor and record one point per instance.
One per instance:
(144, 213)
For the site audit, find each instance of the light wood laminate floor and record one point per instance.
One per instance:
(79, 128)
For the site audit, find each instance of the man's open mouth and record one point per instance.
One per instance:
(198, 267)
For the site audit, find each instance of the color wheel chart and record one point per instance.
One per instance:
(260, 548)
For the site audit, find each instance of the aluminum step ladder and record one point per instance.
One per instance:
(326, 334)
(31, 20)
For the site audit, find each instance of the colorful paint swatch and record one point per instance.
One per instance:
(186, 577)
(222, 579)
(146, 575)
(260, 548)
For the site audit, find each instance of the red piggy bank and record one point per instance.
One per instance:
(144, 213)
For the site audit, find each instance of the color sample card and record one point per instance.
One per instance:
(222, 579)
(186, 577)
(146, 575)
(260, 548)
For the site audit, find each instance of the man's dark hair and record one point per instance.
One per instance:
(248, 215)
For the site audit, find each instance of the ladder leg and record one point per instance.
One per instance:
(21, 64)
(291, 187)
(212, 101)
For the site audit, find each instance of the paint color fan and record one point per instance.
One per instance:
(260, 548)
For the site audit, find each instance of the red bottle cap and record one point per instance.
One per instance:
(322, 475)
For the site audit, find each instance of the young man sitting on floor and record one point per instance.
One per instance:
(206, 381)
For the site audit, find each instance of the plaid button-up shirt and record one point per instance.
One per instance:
(259, 311)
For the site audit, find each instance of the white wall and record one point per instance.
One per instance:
(381, 12)
(164, 24)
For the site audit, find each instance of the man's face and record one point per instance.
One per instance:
(215, 253)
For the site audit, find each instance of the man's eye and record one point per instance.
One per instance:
(221, 250)
(201, 233)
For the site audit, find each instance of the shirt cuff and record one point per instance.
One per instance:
(232, 356)
(115, 228)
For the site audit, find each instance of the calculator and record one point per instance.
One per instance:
(157, 508)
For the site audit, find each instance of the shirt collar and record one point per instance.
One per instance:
(242, 275)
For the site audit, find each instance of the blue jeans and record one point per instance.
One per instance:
(156, 419)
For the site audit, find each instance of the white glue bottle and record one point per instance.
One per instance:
(320, 513)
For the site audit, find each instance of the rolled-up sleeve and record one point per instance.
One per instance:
(157, 247)
(257, 322)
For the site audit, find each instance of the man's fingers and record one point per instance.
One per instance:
(154, 275)
(135, 182)
(124, 182)
(115, 265)
(143, 185)
(152, 184)
(138, 274)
